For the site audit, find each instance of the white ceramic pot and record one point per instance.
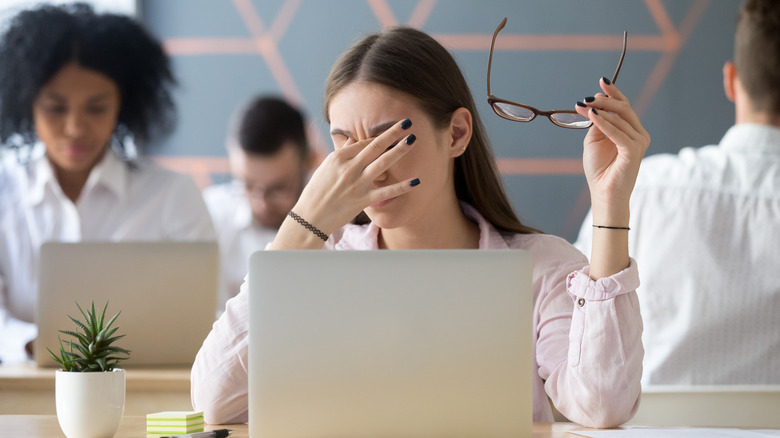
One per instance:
(90, 405)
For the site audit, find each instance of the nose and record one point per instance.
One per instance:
(258, 201)
(74, 124)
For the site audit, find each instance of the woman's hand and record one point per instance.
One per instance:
(343, 185)
(613, 150)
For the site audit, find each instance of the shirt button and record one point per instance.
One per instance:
(581, 302)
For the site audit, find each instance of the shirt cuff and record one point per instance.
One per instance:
(580, 285)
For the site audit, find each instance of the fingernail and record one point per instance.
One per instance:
(590, 99)
(606, 81)
(414, 182)
(406, 124)
(594, 111)
(410, 139)
(581, 104)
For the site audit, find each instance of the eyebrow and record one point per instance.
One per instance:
(91, 99)
(372, 132)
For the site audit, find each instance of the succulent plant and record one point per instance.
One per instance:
(92, 349)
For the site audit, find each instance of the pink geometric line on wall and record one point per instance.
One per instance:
(664, 65)
(383, 13)
(209, 46)
(421, 13)
(283, 18)
(662, 20)
(268, 48)
(199, 168)
(537, 166)
(536, 43)
(265, 43)
(251, 18)
(653, 83)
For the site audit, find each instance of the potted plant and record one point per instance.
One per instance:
(90, 388)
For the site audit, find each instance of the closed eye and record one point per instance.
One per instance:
(339, 140)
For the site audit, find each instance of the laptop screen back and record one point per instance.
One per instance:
(166, 292)
(390, 343)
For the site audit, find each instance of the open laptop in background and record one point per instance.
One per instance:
(166, 291)
(422, 343)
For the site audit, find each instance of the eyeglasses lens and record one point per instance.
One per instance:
(513, 112)
(571, 120)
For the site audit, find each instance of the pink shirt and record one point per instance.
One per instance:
(588, 337)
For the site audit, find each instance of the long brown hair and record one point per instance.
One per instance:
(412, 62)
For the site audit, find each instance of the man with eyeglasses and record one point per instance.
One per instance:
(269, 161)
(705, 231)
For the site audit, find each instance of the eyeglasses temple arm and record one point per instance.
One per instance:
(490, 57)
(620, 62)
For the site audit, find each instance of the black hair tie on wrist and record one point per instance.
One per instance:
(308, 226)
(611, 228)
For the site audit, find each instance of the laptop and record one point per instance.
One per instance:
(425, 343)
(166, 292)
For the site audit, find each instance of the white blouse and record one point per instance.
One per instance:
(119, 202)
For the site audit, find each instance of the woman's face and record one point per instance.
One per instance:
(75, 114)
(363, 110)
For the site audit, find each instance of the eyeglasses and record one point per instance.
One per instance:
(517, 112)
(276, 193)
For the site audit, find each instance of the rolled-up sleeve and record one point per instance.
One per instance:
(220, 377)
(597, 382)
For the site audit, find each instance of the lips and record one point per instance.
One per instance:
(382, 203)
(77, 150)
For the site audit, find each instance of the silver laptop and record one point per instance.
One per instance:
(166, 291)
(427, 343)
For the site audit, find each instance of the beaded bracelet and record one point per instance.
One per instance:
(308, 226)
(611, 228)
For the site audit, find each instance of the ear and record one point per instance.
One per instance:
(460, 131)
(730, 80)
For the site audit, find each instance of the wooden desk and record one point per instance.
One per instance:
(27, 389)
(39, 426)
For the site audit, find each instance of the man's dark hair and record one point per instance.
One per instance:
(757, 53)
(41, 41)
(265, 124)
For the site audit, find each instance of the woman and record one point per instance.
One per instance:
(411, 153)
(82, 86)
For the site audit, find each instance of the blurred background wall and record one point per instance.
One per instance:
(550, 55)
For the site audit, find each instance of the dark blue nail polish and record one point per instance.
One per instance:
(594, 111)
(606, 81)
(581, 104)
(406, 124)
(590, 99)
(414, 182)
(410, 139)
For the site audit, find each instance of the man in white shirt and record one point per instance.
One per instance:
(705, 231)
(269, 160)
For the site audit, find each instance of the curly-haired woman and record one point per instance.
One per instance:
(79, 91)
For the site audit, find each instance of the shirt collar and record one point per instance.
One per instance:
(41, 176)
(110, 172)
(752, 137)
(366, 237)
(489, 237)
